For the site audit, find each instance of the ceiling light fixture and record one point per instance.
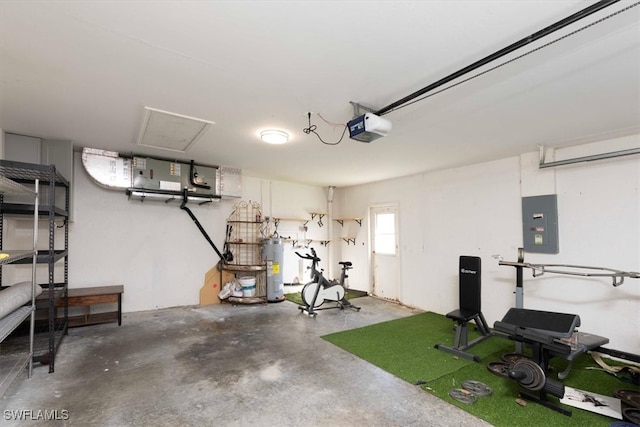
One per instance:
(273, 136)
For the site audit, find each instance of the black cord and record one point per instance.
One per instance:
(312, 129)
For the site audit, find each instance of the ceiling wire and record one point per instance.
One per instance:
(330, 123)
(312, 129)
(514, 59)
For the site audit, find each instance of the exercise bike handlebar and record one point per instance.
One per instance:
(312, 257)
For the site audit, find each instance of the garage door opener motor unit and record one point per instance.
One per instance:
(368, 127)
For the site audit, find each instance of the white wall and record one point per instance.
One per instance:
(293, 203)
(154, 249)
(599, 224)
(476, 210)
(157, 252)
(443, 215)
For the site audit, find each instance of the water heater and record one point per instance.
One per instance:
(273, 254)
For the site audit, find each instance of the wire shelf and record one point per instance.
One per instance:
(245, 234)
(19, 171)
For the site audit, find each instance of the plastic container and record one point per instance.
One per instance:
(248, 285)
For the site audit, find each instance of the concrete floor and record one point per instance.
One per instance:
(224, 365)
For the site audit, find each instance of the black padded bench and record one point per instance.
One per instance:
(470, 303)
(549, 333)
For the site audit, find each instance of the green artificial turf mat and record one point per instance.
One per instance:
(405, 348)
(501, 409)
(294, 297)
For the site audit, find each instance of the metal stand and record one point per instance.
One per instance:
(617, 277)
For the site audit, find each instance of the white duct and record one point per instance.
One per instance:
(107, 168)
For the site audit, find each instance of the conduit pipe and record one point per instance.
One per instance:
(591, 158)
(502, 52)
(330, 193)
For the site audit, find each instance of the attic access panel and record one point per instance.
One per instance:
(171, 131)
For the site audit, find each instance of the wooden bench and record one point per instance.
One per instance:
(86, 297)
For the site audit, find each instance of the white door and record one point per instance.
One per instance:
(384, 251)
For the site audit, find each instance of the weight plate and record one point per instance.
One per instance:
(477, 388)
(462, 395)
(632, 414)
(513, 357)
(534, 375)
(631, 397)
(500, 369)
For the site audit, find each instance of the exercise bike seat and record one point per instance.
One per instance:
(345, 263)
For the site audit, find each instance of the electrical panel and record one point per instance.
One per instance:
(540, 224)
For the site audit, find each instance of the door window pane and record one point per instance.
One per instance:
(385, 237)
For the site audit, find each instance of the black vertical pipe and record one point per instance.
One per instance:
(197, 223)
(519, 271)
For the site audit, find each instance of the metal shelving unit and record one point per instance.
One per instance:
(245, 240)
(52, 305)
(13, 363)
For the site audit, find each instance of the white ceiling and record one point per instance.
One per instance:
(85, 70)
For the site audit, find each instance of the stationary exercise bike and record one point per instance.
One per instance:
(320, 289)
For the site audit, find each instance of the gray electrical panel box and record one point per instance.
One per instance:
(540, 224)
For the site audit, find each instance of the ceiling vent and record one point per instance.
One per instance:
(171, 131)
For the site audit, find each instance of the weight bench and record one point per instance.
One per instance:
(469, 285)
(548, 334)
